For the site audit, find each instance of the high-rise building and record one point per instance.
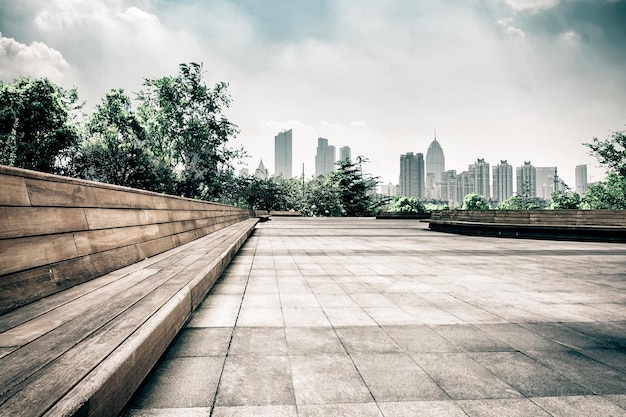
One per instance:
(545, 182)
(388, 190)
(526, 180)
(479, 174)
(345, 153)
(282, 154)
(581, 179)
(435, 161)
(502, 181)
(324, 158)
(464, 185)
(261, 172)
(412, 175)
(448, 187)
(244, 172)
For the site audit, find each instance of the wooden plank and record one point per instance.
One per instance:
(13, 191)
(107, 239)
(30, 252)
(32, 221)
(102, 218)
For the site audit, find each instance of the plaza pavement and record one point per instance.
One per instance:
(364, 317)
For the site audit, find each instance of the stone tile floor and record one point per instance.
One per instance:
(364, 317)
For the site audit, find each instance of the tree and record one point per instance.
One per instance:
(273, 194)
(37, 130)
(322, 198)
(512, 203)
(354, 187)
(606, 195)
(565, 201)
(188, 130)
(610, 152)
(475, 201)
(407, 205)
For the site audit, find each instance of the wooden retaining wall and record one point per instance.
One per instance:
(536, 217)
(57, 232)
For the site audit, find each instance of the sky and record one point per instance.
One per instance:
(515, 80)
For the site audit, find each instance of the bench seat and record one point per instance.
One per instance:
(85, 350)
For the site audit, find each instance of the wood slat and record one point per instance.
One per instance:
(107, 239)
(99, 218)
(29, 252)
(32, 221)
(13, 191)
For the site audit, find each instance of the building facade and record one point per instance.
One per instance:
(412, 175)
(502, 181)
(581, 179)
(480, 178)
(325, 158)
(345, 153)
(448, 187)
(261, 172)
(283, 154)
(435, 161)
(526, 177)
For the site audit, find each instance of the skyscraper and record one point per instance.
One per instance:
(261, 172)
(479, 175)
(324, 158)
(526, 180)
(412, 175)
(435, 161)
(282, 154)
(502, 181)
(581, 179)
(345, 153)
(448, 187)
(464, 185)
(544, 182)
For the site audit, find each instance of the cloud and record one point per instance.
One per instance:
(34, 60)
(509, 29)
(532, 5)
(359, 124)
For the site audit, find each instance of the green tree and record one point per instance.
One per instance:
(322, 198)
(512, 203)
(37, 130)
(475, 201)
(606, 195)
(354, 187)
(565, 200)
(115, 150)
(610, 152)
(187, 128)
(277, 193)
(407, 205)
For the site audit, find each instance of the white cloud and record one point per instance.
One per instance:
(509, 29)
(34, 60)
(359, 124)
(570, 36)
(532, 5)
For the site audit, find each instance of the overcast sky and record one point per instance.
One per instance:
(521, 80)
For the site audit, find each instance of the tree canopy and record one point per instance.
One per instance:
(475, 201)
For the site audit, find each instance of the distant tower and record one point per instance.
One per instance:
(464, 185)
(345, 153)
(324, 158)
(435, 160)
(448, 187)
(544, 180)
(479, 175)
(412, 175)
(282, 154)
(502, 181)
(261, 172)
(581, 179)
(526, 180)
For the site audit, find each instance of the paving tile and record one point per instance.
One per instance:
(217, 301)
(327, 379)
(209, 341)
(613, 358)
(347, 316)
(463, 378)
(612, 334)
(214, 317)
(339, 410)
(471, 339)
(390, 316)
(432, 315)
(261, 317)
(303, 300)
(419, 339)
(260, 300)
(256, 411)
(421, 409)
(260, 380)
(181, 383)
(169, 412)
(619, 400)
(502, 408)
(576, 406)
(568, 336)
(367, 339)
(519, 338)
(258, 341)
(527, 375)
(313, 340)
(396, 377)
(311, 317)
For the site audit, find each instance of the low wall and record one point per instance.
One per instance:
(537, 217)
(57, 232)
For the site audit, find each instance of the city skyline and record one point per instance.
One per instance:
(499, 79)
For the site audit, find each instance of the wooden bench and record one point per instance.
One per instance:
(587, 225)
(95, 283)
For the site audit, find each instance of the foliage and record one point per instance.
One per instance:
(188, 131)
(606, 195)
(354, 188)
(274, 193)
(512, 203)
(115, 150)
(36, 127)
(564, 201)
(475, 201)
(407, 205)
(322, 197)
(610, 152)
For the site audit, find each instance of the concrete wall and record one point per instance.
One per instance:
(536, 217)
(57, 232)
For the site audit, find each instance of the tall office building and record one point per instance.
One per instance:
(526, 180)
(448, 187)
(435, 161)
(464, 185)
(545, 182)
(345, 153)
(502, 181)
(412, 175)
(325, 158)
(581, 179)
(282, 154)
(479, 174)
